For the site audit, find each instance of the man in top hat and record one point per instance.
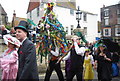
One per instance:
(76, 60)
(27, 55)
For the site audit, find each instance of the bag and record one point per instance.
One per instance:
(115, 70)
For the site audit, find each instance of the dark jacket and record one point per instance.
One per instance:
(27, 62)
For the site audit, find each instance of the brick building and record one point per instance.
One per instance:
(110, 22)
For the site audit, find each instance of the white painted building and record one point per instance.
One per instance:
(67, 17)
(91, 26)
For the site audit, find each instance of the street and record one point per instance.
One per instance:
(55, 78)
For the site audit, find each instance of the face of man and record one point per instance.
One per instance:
(78, 40)
(20, 34)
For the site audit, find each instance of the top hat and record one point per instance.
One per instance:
(23, 25)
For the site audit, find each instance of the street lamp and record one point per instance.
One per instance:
(78, 17)
(79, 31)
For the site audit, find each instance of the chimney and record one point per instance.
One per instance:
(14, 14)
(103, 6)
(13, 20)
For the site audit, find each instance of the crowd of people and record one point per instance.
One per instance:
(19, 62)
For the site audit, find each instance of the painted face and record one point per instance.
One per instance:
(20, 34)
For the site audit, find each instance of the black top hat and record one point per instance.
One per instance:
(23, 25)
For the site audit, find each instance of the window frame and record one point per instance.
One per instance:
(107, 33)
(117, 31)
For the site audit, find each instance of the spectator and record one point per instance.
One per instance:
(104, 63)
(9, 59)
(88, 69)
(12, 32)
(4, 30)
(27, 69)
(34, 35)
(115, 68)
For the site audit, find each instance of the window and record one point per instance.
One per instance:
(107, 32)
(42, 4)
(0, 22)
(38, 11)
(106, 21)
(71, 29)
(85, 30)
(118, 11)
(118, 20)
(66, 29)
(30, 15)
(106, 12)
(71, 11)
(84, 17)
(117, 31)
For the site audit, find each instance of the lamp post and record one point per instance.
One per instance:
(79, 31)
(78, 17)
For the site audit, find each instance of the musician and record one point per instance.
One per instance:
(76, 57)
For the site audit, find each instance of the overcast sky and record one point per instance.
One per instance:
(21, 6)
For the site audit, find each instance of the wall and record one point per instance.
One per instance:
(0, 15)
(92, 27)
(65, 18)
(34, 18)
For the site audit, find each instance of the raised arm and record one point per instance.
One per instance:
(79, 51)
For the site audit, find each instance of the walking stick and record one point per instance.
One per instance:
(64, 54)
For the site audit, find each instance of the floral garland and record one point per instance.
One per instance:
(51, 29)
